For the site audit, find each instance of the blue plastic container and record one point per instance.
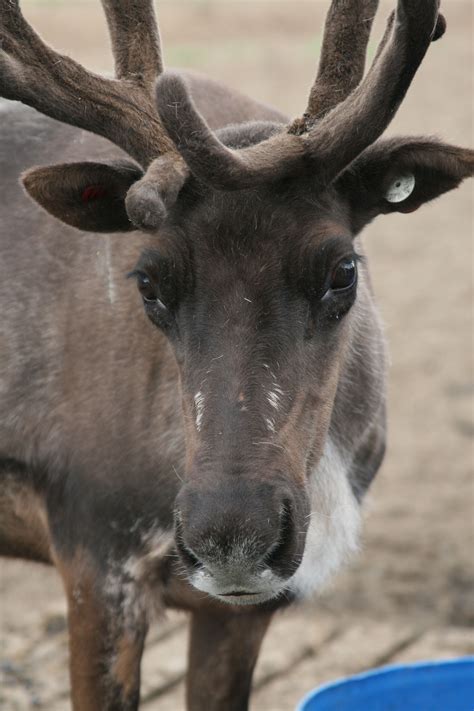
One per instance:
(426, 686)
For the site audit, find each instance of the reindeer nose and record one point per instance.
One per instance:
(237, 527)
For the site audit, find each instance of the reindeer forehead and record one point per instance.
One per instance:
(275, 218)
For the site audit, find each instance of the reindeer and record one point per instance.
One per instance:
(211, 450)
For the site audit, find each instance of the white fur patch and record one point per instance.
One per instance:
(273, 397)
(334, 527)
(109, 268)
(199, 405)
(270, 424)
(132, 586)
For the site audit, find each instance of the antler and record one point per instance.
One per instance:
(122, 109)
(343, 116)
(135, 39)
(334, 141)
(342, 62)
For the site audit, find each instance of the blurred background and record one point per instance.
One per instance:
(409, 595)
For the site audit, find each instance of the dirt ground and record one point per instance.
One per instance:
(409, 594)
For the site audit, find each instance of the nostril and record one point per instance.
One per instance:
(278, 552)
(188, 555)
(185, 552)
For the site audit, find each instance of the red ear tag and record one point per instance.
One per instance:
(94, 192)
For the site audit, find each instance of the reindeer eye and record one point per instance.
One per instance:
(344, 275)
(146, 288)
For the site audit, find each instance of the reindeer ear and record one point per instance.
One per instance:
(89, 196)
(399, 175)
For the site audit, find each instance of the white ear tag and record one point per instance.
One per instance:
(401, 188)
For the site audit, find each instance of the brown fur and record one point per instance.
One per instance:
(234, 641)
(105, 214)
(24, 521)
(126, 667)
(87, 632)
(105, 638)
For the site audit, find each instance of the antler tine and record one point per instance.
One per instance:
(342, 62)
(332, 143)
(369, 109)
(121, 110)
(135, 39)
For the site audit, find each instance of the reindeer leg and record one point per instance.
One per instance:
(107, 629)
(224, 647)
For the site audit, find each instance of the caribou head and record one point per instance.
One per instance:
(256, 276)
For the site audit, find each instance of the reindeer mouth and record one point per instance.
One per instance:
(255, 590)
(244, 598)
(239, 593)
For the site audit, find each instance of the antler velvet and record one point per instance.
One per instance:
(135, 39)
(334, 140)
(122, 109)
(166, 134)
(342, 61)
